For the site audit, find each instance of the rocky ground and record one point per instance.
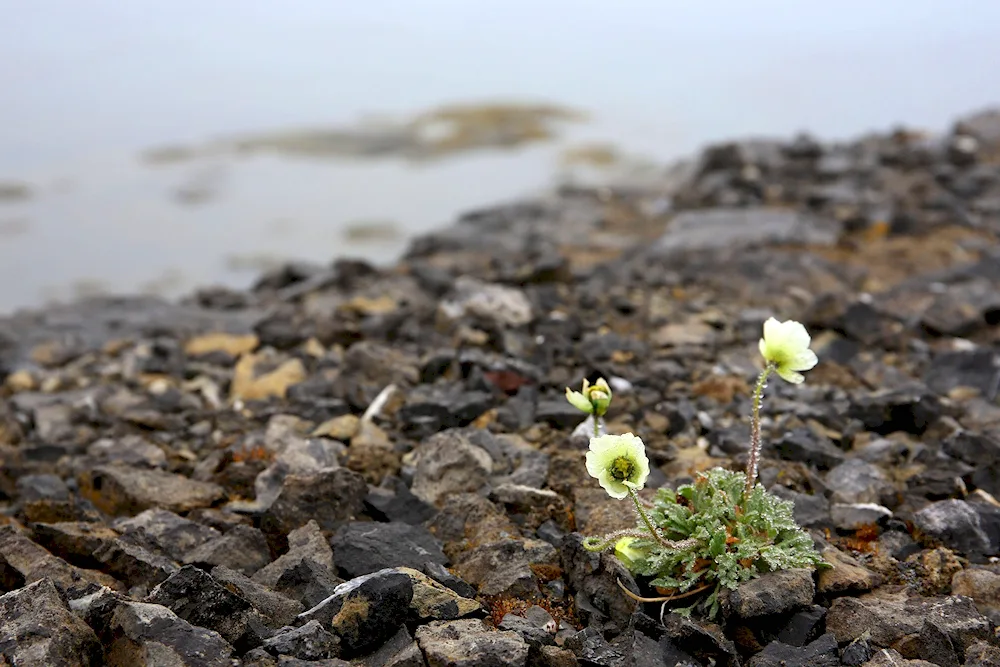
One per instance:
(348, 465)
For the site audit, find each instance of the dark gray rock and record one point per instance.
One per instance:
(820, 653)
(856, 481)
(400, 651)
(433, 408)
(809, 510)
(166, 532)
(858, 652)
(121, 490)
(536, 627)
(885, 617)
(726, 227)
(133, 564)
(365, 611)
(243, 549)
(142, 633)
(307, 581)
(558, 413)
(802, 627)
(963, 368)
(958, 526)
(888, 411)
(330, 497)
(935, 646)
(505, 567)
(37, 628)
(469, 643)
(308, 642)
(363, 547)
(276, 609)
(807, 447)
(703, 641)
(442, 575)
(982, 654)
(770, 594)
(74, 541)
(599, 601)
(196, 597)
(24, 562)
(394, 502)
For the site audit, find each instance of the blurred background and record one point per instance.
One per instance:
(156, 146)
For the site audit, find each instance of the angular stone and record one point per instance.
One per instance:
(469, 643)
(770, 594)
(331, 497)
(599, 600)
(508, 567)
(444, 576)
(196, 597)
(308, 642)
(844, 575)
(277, 610)
(141, 633)
(74, 541)
(400, 651)
(433, 601)
(308, 551)
(367, 610)
(362, 547)
(982, 654)
(857, 481)
(135, 565)
(468, 519)
(256, 378)
(24, 562)
(723, 227)
(394, 502)
(131, 450)
(447, 464)
(165, 531)
(119, 490)
(243, 549)
(820, 653)
(890, 616)
(37, 628)
(958, 526)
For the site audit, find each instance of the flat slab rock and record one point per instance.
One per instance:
(469, 643)
(119, 490)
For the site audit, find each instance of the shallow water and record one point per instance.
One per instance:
(325, 94)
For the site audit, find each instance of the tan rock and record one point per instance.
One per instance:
(232, 344)
(250, 385)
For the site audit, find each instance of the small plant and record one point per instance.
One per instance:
(722, 529)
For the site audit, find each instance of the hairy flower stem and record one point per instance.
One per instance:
(597, 426)
(754, 461)
(669, 544)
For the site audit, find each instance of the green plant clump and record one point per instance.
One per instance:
(732, 542)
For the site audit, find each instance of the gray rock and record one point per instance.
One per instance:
(888, 616)
(120, 490)
(809, 510)
(963, 368)
(725, 227)
(536, 631)
(958, 526)
(74, 541)
(505, 567)
(132, 450)
(37, 628)
(469, 643)
(306, 581)
(296, 456)
(856, 481)
(135, 565)
(500, 305)
(308, 642)
(330, 497)
(367, 610)
(910, 410)
(142, 633)
(400, 651)
(394, 502)
(599, 601)
(820, 653)
(447, 464)
(276, 609)
(806, 447)
(858, 652)
(982, 654)
(854, 516)
(363, 547)
(704, 641)
(24, 562)
(165, 531)
(243, 549)
(197, 598)
(770, 594)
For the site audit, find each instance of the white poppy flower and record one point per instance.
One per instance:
(786, 346)
(618, 462)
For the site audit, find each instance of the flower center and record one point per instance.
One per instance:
(621, 468)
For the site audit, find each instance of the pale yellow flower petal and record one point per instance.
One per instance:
(804, 361)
